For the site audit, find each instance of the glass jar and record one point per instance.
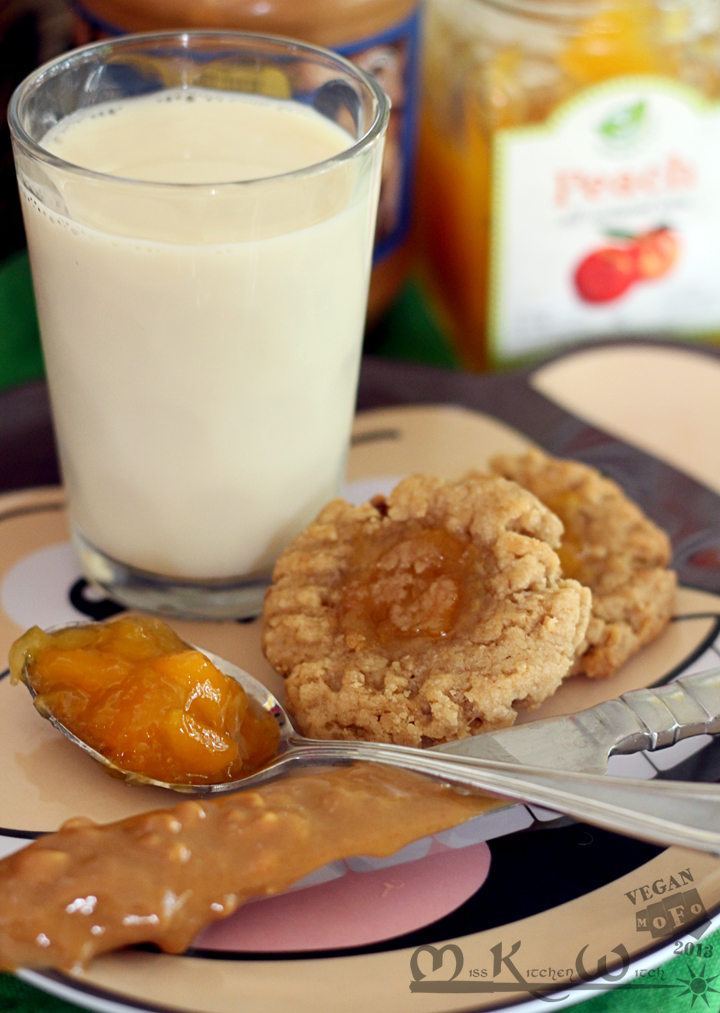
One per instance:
(569, 166)
(379, 36)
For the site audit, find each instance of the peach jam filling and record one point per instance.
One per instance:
(403, 583)
(136, 693)
(577, 558)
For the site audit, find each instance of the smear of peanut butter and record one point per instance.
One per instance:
(163, 876)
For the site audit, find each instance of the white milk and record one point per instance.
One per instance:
(202, 385)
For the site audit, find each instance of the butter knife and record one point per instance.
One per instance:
(644, 719)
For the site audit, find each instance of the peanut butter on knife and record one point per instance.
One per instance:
(163, 876)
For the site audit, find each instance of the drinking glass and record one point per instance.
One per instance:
(201, 339)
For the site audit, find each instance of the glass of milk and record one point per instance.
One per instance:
(199, 210)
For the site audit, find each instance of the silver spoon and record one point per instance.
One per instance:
(662, 812)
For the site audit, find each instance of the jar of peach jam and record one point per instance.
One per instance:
(380, 36)
(569, 183)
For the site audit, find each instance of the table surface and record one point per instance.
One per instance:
(28, 458)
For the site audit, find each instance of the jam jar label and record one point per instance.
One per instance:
(606, 220)
(392, 59)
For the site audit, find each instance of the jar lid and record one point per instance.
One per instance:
(324, 22)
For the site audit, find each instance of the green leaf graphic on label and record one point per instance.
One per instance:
(623, 126)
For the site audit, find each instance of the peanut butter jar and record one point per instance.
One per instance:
(568, 168)
(380, 36)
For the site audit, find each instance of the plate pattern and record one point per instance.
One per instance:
(514, 892)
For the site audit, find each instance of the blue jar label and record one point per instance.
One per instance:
(392, 58)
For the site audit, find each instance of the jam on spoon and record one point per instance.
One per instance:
(146, 701)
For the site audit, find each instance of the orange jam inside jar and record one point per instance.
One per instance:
(566, 161)
(145, 700)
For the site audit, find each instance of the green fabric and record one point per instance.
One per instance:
(20, 355)
(686, 982)
(18, 997)
(410, 331)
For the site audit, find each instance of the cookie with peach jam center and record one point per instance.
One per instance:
(425, 617)
(609, 545)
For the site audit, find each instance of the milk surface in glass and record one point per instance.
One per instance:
(202, 358)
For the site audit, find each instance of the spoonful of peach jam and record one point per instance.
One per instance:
(146, 704)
